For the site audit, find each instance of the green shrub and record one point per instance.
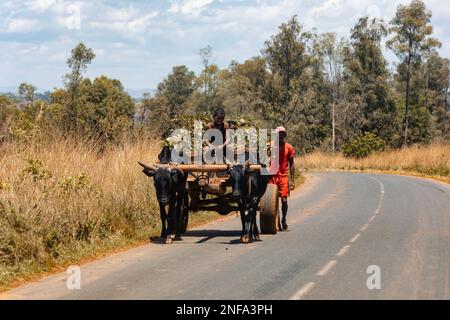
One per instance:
(35, 169)
(363, 145)
(75, 183)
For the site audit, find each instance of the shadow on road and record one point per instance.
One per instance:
(207, 235)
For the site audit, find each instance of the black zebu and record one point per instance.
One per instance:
(170, 186)
(248, 188)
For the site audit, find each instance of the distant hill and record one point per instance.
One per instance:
(38, 96)
(4, 90)
(11, 92)
(137, 94)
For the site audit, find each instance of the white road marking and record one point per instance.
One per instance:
(343, 251)
(326, 268)
(303, 291)
(310, 285)
(355, 238)
(382, 192)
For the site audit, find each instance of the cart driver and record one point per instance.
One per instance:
(285, 169)
(219, 124)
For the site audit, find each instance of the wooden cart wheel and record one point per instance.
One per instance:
(269, 217)
(185, 213)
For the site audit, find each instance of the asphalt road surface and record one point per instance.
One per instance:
(352, 236)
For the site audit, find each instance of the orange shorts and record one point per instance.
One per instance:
(283, 184)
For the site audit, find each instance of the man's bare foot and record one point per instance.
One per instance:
(284, 224)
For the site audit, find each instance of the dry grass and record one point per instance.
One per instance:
(63, 201)
(433, 160)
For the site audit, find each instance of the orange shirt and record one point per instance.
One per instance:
(285, 154)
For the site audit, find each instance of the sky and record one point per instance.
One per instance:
(139, 41)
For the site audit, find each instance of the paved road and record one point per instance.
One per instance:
(342, 225)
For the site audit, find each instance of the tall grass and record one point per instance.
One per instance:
(63, 200)
(432, 160)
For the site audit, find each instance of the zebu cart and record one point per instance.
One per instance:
(209, 189)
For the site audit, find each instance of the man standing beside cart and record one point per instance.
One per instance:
(285, 169)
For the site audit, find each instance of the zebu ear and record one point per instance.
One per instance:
(149, 171)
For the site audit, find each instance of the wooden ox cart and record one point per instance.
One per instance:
(209, 189)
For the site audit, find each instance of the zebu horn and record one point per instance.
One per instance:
(147, 168)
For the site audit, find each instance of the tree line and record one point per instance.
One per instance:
(328, 92)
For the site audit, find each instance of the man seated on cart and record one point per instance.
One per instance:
(218, 123)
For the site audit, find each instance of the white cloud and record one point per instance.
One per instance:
(142, 23)
(138, 24)
(35, 49)
(21, 25)
(119, 14)
(8, 5)
(327, 6)
(139, 41)
(190, 7)
(40, 5)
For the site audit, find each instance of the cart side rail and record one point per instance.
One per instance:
(198, 167)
